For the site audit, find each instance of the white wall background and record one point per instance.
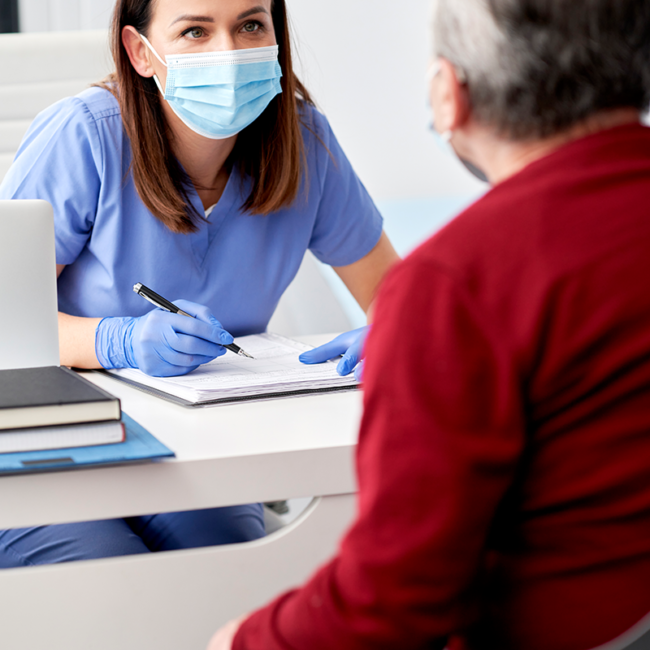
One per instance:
(366, 62)
(63, 15)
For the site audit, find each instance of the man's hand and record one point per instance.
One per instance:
(223, 638)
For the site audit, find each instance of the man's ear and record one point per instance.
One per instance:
(449, 98)
(137, 51)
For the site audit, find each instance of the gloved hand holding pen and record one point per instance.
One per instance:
(160, 343)
(350, 345)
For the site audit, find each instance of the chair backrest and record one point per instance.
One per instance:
(37, 70)
(309, 305)
(636, 638)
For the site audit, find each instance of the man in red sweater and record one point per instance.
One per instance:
(504, 455)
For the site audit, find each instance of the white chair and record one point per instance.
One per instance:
(37, 70)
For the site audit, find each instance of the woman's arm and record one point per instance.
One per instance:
(159, 343)
(364, 277)
(77, 338)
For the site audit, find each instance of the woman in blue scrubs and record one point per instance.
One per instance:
(201, 169)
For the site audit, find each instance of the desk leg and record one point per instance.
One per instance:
(166, 601)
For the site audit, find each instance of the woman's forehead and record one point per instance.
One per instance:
(172, 11)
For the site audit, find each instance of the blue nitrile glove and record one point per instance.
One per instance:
(160, 343)
(350, 345)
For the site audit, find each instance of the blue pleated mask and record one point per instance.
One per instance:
(219, 94)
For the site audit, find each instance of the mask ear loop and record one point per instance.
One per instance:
(434, 70)
(150, 46)
(432, 73)
(155, 77)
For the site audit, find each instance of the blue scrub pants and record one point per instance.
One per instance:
(114, 537)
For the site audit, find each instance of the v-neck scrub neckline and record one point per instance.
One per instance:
(214, 217)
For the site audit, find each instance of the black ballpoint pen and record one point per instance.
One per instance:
(162, 303)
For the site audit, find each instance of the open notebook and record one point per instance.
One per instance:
(274, 372)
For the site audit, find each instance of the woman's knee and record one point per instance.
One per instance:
(68, 543)
(200, 528)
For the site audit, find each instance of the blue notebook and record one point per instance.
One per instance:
(139, 445)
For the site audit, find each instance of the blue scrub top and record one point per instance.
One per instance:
(76, 156)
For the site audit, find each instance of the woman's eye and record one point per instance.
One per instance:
(194, 32)
(251, 27)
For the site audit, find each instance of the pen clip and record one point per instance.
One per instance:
(152, 301)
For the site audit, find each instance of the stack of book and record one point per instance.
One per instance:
(46, 410)
(54, 408)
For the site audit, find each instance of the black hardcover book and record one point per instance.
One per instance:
(40, 397)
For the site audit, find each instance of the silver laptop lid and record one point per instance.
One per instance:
(29, 336)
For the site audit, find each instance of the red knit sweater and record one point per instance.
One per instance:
(504, 456)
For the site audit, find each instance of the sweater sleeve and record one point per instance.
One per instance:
(441, 435)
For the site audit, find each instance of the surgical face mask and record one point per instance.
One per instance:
(444, 140)
(219, 94)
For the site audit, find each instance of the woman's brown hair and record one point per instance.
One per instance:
(270, 151)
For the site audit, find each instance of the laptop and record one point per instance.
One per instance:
(29, 329)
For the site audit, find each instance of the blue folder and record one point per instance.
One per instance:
(138, 445)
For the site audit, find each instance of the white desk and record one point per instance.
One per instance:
(227, 455)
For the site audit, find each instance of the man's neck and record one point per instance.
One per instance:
(500, 158)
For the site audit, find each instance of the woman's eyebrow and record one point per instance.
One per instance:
(193, 19)
(207, 19)
(255, 10)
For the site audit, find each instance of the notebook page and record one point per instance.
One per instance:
(275, 368)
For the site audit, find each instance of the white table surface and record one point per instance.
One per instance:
(225, 455)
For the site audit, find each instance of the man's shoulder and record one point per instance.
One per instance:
(479, 229)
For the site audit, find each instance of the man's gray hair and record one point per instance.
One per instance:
(534, 68)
